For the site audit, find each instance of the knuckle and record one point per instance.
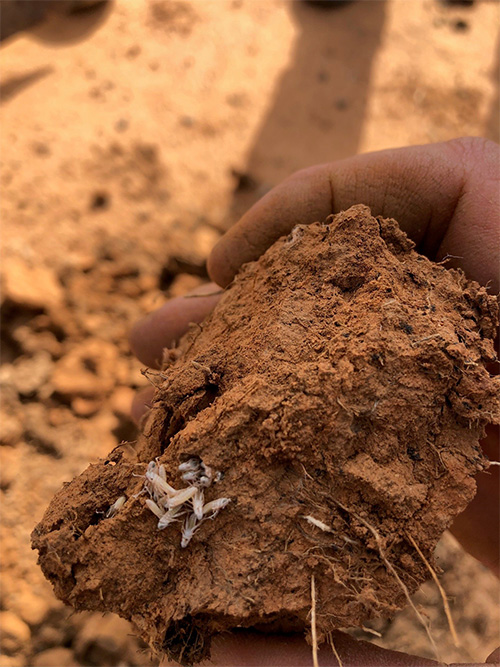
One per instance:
(474, 149)
(304, 174)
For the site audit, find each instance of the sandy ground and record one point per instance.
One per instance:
(128, 146)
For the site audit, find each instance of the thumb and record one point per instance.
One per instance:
(253, 649)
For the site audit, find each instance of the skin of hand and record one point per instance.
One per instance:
(446, 197)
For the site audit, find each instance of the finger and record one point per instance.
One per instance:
(494, 658)
(141, 403)
(445, 197)
(165, 326)
(478, 527)
(250, 649)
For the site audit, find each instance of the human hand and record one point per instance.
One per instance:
(445, 197)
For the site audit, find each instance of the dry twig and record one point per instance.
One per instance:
(390, 567)
(334, 650)
(313, 623)
(441, 591)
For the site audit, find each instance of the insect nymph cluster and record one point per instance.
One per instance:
(186, 504)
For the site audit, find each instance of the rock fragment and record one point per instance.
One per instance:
(28, 375)
(29, 285)
(15, 633)
(55, 657)
(103, 641)
(87, 370)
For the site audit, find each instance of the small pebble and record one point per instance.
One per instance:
(55, 657)
(15, 633)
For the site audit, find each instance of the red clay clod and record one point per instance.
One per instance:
(339, 383)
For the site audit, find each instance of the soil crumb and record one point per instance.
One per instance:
(336, 395)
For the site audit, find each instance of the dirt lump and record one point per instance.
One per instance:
(339, 387)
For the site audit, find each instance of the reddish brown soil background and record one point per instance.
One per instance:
(104, 142)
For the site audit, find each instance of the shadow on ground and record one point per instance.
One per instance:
(320, 102)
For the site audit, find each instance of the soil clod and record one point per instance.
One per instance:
(346, 383)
